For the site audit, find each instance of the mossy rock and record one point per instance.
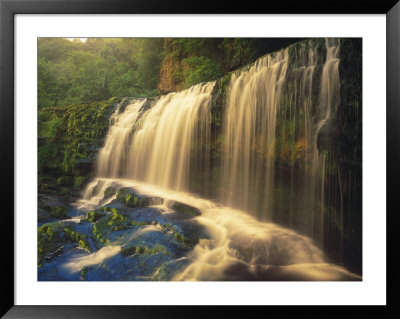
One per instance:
(143, 250)
(185, 209)
(58, 212)
(130, 198)
(110, 191)
(76, 237)
(67, 154)
(85, 273)
(78, 181)
(65, 181)
(329, 136)
(94, 216)
(50, 240)
(110, 223)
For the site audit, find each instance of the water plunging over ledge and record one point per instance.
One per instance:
(274, 181)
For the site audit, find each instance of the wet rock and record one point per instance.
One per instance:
(185, 209)
(52, 207)
(329, 136)
(110, 191)
(131, 198)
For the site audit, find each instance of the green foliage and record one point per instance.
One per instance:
(204, 59)
(201, 69)
(71, 72)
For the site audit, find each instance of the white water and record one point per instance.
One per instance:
(236, 237)
(77, 264)
(112, 155)
(94, 193)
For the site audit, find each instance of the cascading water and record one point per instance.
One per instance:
(160, 150)
(328, 103)
(274, 116)
(250, 122)
(271, 164)
(112, 156)
(154, 145)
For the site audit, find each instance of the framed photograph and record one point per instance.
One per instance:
(159, 154)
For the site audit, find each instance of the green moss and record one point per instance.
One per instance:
(50, 239)
(112, 222)
(94, 216)
(78, 181)
(129, 199)
(143, 250)
(110, 191)
(85, 273)
(68, 143)
(128, 251)
(58, 212)
(76, 237)
(219, 99)
(65, 181)
(185, 209)
(46, 241)
(116, 219)
(179, 237)
(167, 227)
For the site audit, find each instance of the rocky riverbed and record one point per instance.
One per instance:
(133, 237)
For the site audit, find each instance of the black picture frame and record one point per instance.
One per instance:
(8, 8)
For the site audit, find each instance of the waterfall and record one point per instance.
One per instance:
(250, 122)
(328, 102)
(155, 145)
(270, 167)
(160, 150)
(112, 155)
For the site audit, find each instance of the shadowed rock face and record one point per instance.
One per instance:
(330, 136)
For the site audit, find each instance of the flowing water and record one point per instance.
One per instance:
(250, 123)
(271, 171)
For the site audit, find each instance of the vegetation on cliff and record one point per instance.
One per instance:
(69, 139)
(189, 61)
